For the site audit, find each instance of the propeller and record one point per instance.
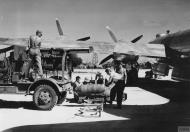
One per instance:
(84, 39)
(112, 34)
(61, 31)
(59, 27)
(137, 39)
(122, 53)
(111, 56)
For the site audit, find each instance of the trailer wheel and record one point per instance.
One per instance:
(45, 97)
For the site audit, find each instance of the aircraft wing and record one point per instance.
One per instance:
(14, 42)
(153, 50)
(67, 45)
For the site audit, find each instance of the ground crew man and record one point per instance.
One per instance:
(77, 83)
(33, 50)
(76, 86)
(119, 76)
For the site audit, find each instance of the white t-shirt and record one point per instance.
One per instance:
(116, 76)
(119, 76)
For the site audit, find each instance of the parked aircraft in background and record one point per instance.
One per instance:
(173, 50)
(126, 51)
(99, 47)
(177, 49)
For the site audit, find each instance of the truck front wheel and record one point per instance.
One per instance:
(45, 97)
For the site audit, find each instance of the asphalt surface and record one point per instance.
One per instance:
(152, 105)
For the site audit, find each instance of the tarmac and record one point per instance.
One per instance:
(152, 105)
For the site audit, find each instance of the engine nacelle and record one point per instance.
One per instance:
(125, 58)
(160, 69)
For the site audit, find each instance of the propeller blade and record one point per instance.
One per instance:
(106, 59)
(112, 34)
(137, 39)
(84, 39)
(59, 27)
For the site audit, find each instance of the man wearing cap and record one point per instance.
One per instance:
(33, 50)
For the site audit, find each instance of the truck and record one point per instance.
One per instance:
(47, 91)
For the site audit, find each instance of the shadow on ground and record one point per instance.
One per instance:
(175, 91)
(176, 111)
(16, 104)
(103, 126)
(159, 118)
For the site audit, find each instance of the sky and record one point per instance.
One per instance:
(128, 18)
(79, 18)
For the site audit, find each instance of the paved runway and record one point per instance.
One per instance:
(152, 105)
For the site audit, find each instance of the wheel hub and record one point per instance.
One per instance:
(44, 97)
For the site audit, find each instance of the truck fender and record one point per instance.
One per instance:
(48, 81)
